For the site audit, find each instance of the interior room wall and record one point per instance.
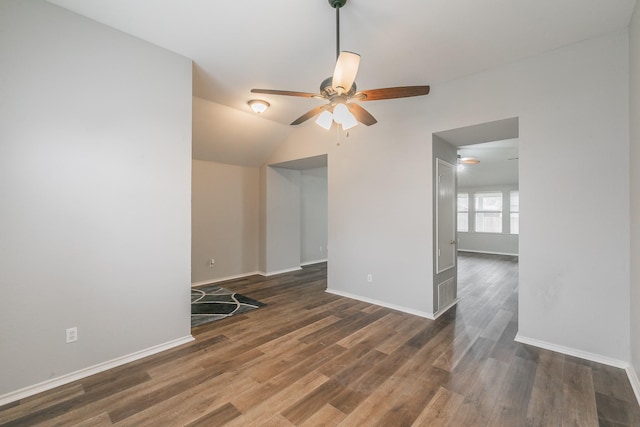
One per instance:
(503, 243)
(634, 159)
(313, 215)
(225, 219)
(282, 220)
(380, 193)
(95, 161)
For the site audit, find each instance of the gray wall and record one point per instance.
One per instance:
(224, 221)
(95, 159)
(634, 34)
(313, 215)
(282, 220)
(380, 208)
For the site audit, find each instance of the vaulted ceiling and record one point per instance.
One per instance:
(290, 44)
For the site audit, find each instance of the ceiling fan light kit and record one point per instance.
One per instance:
(341, 90)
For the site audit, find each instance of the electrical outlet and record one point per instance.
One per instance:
(211, 262)
(369, 278)
(72, 334)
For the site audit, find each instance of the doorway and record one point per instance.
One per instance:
(296, 220)
(485, 228)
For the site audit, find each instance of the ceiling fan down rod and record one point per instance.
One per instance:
(337, 4)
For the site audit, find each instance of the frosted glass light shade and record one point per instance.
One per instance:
(343, 116)
(258, 105)
(349, 122)
(345, 72)
(325, 120)
(341, 113)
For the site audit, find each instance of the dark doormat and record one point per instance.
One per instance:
(212, 303)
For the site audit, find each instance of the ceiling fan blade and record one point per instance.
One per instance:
(309, 114)
(392, 92)
(345, 72)
(362, 115)
(284, 92)
(469, 161)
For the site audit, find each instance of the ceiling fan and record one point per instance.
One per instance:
(340, 90)
(467, 160)
(464, 161)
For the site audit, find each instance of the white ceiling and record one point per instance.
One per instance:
(498, 164)
(290, 44)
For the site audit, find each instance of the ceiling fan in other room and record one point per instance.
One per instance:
(340, 90)
(462, 161)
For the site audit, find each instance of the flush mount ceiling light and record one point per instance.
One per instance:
(258, 105)
(341, 92)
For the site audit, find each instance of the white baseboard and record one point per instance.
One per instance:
(486, 252)
(635, 382)
(224, 279)
(273, 273)
(382, 304)
(318, 261)
(91, 370)
(572, 352)
(444, 310)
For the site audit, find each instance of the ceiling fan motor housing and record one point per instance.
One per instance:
(326, 88)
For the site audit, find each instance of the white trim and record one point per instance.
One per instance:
(572, 352)
(223, 279)
(635, 382)
(444, 310)
(486, 252)
(302, 264)
(91, 370)
(288, 270)
(382, 304)
(455, 227)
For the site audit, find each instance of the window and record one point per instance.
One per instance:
(514, 212)
(463, 212)
(488, 217)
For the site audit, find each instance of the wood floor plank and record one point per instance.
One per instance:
(498, 324)
(514, 397)
(219, 416)
(353, 367)
(313, 358)
(545, 405)
(279, 400)
(328, 415)
(441, 410)
(579, 404)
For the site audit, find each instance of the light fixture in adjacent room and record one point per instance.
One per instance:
(462, 161)
(258, 105)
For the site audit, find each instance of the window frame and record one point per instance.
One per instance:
(512, 212)
(465, 212)
(476, 212)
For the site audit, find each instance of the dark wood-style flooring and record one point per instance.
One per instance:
(310, 358)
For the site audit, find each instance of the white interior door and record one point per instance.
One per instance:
(445, 216)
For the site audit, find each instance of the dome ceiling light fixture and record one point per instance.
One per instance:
(340, 90)
(258, 105)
